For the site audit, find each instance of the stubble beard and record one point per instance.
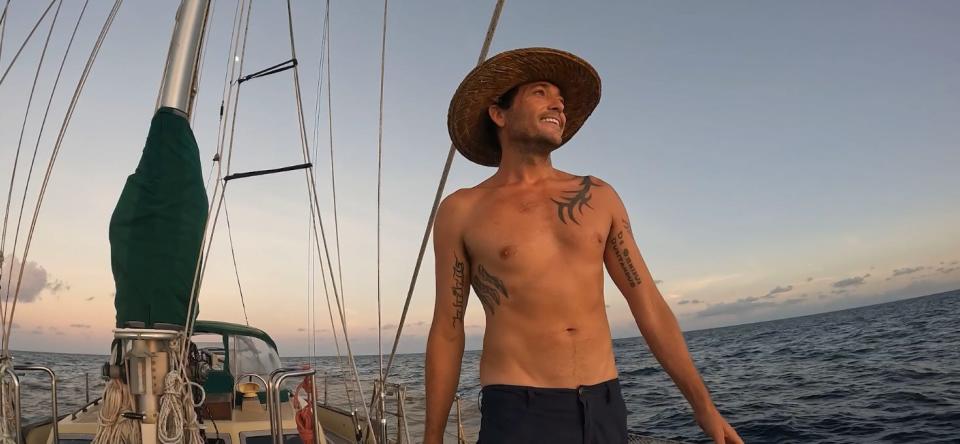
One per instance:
(535, 142)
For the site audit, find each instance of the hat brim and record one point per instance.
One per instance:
(468, 120)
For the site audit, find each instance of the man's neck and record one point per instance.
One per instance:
(524, 167)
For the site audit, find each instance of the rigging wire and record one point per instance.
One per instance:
(16, 160)
(198, 69)
(225, 91)
(25, 41)
(43, 124)
(204, 251)
(311, 270)
(56, 150)
(311, 186)
(383, 58)
(491, 29)
(3, 23)
(333, 183)
(236, 270)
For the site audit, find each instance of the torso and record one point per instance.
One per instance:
(541, 253)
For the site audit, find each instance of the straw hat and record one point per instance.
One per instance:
(471, 129)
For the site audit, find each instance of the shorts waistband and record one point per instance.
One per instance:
(583, 390)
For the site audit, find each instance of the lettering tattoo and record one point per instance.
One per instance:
(489, 288)
(624, 259)
(576, 200)
(458, 289)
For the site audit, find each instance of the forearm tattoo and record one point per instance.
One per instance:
(623, 256)
(575, 200)
(459, 291)
(489, 288)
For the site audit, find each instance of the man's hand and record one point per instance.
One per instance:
(716, 427)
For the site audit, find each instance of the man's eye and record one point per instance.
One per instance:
(538, 92)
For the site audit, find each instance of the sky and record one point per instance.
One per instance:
(777, 159)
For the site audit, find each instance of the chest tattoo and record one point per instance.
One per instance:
(489, 288)
(573, 201)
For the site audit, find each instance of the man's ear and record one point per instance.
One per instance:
(496, 115)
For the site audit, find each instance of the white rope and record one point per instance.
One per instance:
(170, 417)
(177, 413)
(113, 428)
(8, 415)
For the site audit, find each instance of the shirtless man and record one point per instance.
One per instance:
(532, 241)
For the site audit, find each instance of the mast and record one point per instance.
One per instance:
(179, 86)
(156, 231)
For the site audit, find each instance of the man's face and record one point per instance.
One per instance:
(535, 118)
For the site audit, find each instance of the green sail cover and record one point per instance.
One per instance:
(157, 227)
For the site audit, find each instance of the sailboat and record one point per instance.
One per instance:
(172, 377)
(165, 385)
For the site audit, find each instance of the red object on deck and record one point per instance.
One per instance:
(304, 416)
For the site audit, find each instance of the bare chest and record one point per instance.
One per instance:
(525, 229)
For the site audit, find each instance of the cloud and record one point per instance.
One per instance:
(301, 329)
(741, 306)
(778, 290)
(80, 325)
(90, 298)
(946, 270)
(34, 279)
(809, 279)
(389, 327)
(907, 270)
(658, 281)
(56, 286)
(419, 324)
(690, 301)
(851, 281)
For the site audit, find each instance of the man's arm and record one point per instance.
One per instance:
(658, 324)
(653, 316)
(445, 342)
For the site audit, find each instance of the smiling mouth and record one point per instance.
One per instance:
(552, 120)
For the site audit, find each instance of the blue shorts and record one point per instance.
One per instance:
(585, 415)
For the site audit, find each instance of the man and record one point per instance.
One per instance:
(530, 240)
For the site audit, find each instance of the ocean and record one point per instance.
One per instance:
(882, 373)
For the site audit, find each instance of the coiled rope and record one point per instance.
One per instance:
(114, 428)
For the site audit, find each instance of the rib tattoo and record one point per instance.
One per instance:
(459, 293)
(576, 201)
(489, 288)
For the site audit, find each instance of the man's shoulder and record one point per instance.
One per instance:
(591, 183)
(457, 204)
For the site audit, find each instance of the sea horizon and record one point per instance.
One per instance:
(891, 301)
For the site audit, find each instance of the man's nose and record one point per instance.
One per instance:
(557, 104)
